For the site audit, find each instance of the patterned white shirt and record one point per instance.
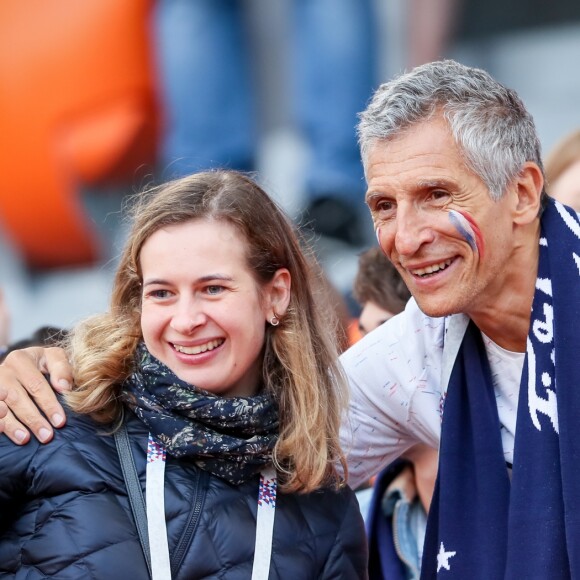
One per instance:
(398, 375)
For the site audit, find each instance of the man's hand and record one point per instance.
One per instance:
(24, 393)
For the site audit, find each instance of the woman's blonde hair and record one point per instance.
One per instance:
(300, 355)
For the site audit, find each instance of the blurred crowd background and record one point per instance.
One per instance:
(101, 98)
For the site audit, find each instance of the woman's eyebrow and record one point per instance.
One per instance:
(206, 278)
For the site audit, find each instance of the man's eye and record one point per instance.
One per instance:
(384, 205)
(439, 195)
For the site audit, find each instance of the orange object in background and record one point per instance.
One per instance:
(354, 334)
(77, 106)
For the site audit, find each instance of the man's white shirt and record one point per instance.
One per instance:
(398, 377)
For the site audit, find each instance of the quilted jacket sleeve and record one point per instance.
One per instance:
(14, 476)
(349, 555)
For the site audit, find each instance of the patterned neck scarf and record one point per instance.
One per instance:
(231, 437)
(482, 526)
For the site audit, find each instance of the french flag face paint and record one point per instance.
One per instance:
(378, 233)
(468, 229)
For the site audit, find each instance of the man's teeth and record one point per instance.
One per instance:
(199, 348)
(431, 269)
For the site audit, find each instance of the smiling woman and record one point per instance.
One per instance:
(203, 312)
(215, 359)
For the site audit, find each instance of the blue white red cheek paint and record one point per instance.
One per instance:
(378, 234)
(468, 229)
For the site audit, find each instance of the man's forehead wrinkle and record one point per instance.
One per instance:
(422, 159)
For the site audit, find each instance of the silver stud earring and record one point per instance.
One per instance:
(274, 321)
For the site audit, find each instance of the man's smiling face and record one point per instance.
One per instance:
(436, 221)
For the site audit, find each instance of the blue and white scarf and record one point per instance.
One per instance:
(481, 526)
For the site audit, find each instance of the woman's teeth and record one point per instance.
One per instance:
(199, 348)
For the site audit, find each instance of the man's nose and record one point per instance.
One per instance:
(413, 229)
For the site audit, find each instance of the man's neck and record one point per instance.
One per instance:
(506, 319)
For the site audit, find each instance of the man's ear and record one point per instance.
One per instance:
(529, 185)
(279, 293)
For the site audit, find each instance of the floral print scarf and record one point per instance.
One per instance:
(231, 437)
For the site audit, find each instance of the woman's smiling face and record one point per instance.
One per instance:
(203, 313)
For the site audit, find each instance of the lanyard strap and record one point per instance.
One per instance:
(157, 527)
(265, 524)
(150, 521)
(155, 499)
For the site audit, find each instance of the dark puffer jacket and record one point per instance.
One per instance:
(64, 513)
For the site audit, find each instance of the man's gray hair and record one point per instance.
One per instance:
(488, 121)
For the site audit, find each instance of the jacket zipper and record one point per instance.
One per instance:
(189, 531)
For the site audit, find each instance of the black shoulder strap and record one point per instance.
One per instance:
(134, 490)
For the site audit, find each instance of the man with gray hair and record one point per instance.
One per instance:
(484, 350)
(482, 362)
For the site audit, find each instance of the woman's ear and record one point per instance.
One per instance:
(529, 184)
(279, 293)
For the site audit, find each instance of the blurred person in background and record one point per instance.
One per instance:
(563, 170)
(216, 370)
(396, 521)
(208, 90)
(396, 504)
(379, 290)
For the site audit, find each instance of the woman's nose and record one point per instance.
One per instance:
(188, 317)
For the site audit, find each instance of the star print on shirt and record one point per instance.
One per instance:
(443, 558)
